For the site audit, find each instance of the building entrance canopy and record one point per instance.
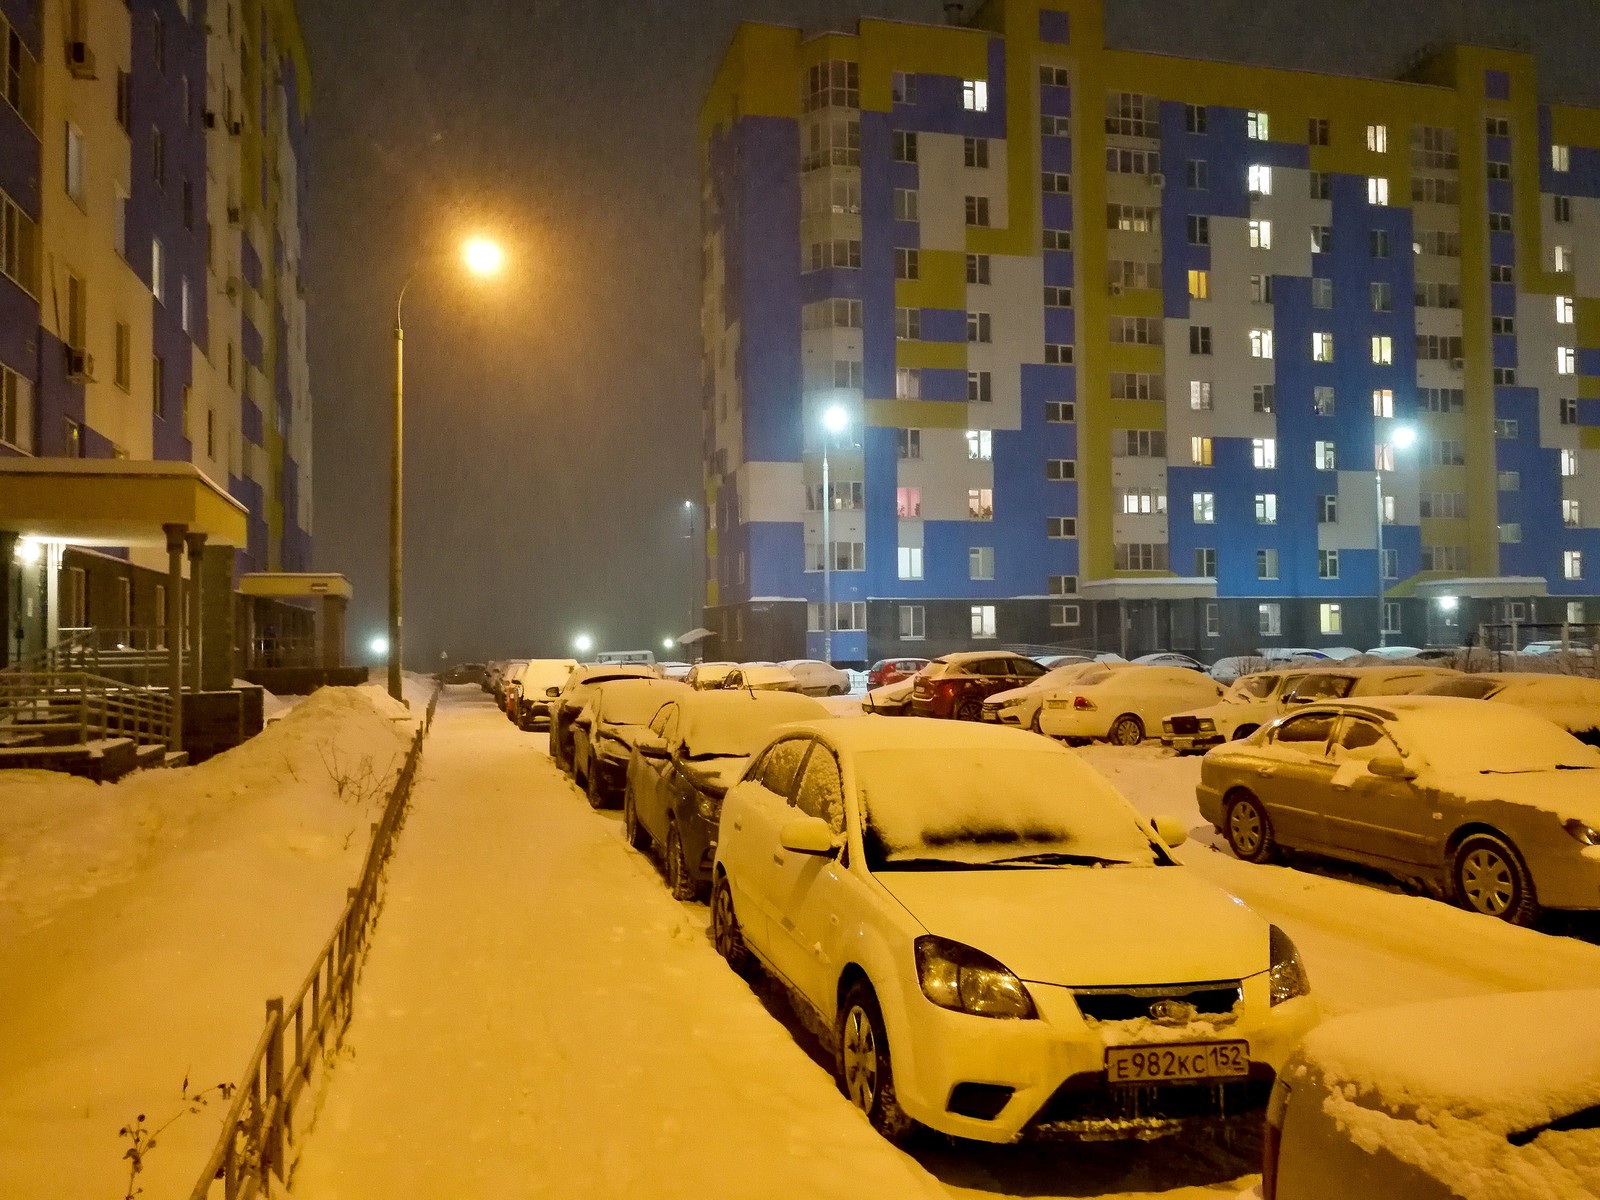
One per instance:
(114, 502)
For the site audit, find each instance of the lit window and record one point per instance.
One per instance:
(1261, 343)
(1269, 618)
(1564, 310)
(1571, 514)
(1566, 360)
(1205, 508)
(908, 503)
(983, 621)
(980, 445)
(1322, 347)
(1562, 258)
(1560, 158)
(1377, 190)
(975, 95)
(1266, 508)
(1326, 457)
(1266, 564)
(1264, 453)
(1572, 564)
(910, 562)
(158, 286)
(1200, 395)
(1199, 285)
(1255, 125)
(1382, 402)
(1378, 139)
(980, 504)
(1261, 235)
(1331, 619)
(1327, 564)
(1260, 181)
(1569, 463)
(980, 562)
(1383, 350)
(1200, 451)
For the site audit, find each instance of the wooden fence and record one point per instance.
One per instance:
(300, 1036)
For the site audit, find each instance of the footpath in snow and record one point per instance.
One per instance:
(538, 1017)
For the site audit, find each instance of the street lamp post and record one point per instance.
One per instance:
(482, 258)
(694, 585)
(1401, 437)
(834, 422)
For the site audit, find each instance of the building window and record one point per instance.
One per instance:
(980, 387)
(1566, 360)
(980, 445)
(983, 621)
(1569, 411)
(1377, 190)
(19, 244)
(158, 158)
(1139, 556)
(1509, 533)
(77, 168)
(1508, 481)
(1057, 239)
(1569, 464)
(1505, 377)
(833, 84)
(1327, 564)
(1269, 620)
(124, 356)
(1261, 343)
(1382, 402)
(1321, 292)
(1321, 239)
(211, 433)
(1060, 470)
(975, 95)
(905, 204)
(1205, 562)
(1063, 585)
(1137, 501)
(1059, 412)
(910, 562)
(904, 146)
(1258, 180)
(1057, 297)
(1266, 508)
(980, 562)
(1057, 354)
(1205, 508)
(908, 503)
(1061, 527)
(1505, 429)
(1055, 183)
(1560, 157)
(1051, 125)
(1195, 174)
(913, 622)
(910, 443)
(1500, 222)
(1322, 347)
(1200, 395)
(1327, 510)
(183, 304)
(978, 211)
(1256, 125)
(1326, 457)
(978, 268)
(904, 87)
(158, 388)
(1200, 451)
(1564, 310)
(1264, 453)
(1261, 235)
(1064, 616)
(1199, 230)
(1383, 350)
(1266, 564)
(907, 383)
(1391, 565)
(1571, 514)
(1562, 259)
(1322, 401)
(1330, 619)
(1572, 564)
(1199, 339)
(1378, 139)
(1500, 171)
(978, 329)
(907, 263)
(1317, 131)
(1382, 297)
(1138, 443)
(1261, 289)
(975, 152)
(1199, 285)
(847, 373)
(1263, 397)
(908, 324)
(1129, 114)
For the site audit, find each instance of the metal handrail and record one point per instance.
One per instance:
(85, 704)
(251, 1149)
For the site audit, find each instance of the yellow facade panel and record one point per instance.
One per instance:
(942, 282)
(758, 78)
(1591, 438)
(1144, 360)
(917, 414)
(946, 355)
(890, 46)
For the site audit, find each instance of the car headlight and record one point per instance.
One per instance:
(1013, 702)
(962, 979)
(1207, 725)
(1588, 835)
(709, 807)
(1166, 727)
(1287, 977)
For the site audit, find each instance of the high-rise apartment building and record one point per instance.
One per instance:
(1141, 351)
(153, 160)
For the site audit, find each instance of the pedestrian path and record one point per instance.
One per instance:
(538, 1018)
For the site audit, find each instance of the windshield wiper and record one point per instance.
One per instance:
(1055, 859)
(930, 864)
(1536, 770)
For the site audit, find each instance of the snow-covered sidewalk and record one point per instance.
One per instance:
(538, 1018)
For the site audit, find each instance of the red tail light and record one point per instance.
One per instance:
(1083, 704)
(949, 688)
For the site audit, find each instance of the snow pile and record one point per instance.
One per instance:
(143, 924)
(1456, 1088)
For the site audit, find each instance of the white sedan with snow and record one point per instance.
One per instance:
(818, 678)
(1123, 707)
(999, 944)
(1487, 1098)
(1020, 706)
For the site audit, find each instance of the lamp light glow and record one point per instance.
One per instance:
(835, 419)
(379, 646)
(667, 643)
(1403, 437)
(28, 551)
(583, 643)
(483, 257)
(1449, 603)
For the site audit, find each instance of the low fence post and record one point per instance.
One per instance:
(272, 1135)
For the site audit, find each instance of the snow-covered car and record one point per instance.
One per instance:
(1169, 658)
(676, 671)
(956, 686)
(1020, 706)
(567, 701)
(531, 706)
(1000, 944)
(696, 745)
(1355, 683)
(818, 678)
(1122, 707)
(1244, 708)
(1488, 804)
(1051, 661)
(502, 679)
(1236, 667)
(1570, 701)
(608, 726)
(892, 670)
(1483, 1098)
(754, 677)
(891, 700)
(1394, 652)
(704, 676)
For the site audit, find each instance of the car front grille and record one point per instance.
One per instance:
(1185, 726)
(1213, 999)
(1086, 1108)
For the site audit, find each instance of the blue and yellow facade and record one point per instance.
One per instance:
(1130, 344)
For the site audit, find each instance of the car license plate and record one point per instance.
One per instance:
(1177, 1063)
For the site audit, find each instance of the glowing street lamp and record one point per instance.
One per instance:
(667, 643)
(379, 646)
(1401, 437)
(835, 420)
(482, 258)
(583, 643)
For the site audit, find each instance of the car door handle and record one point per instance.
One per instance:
(777, 857)
(738, 824)
(1268, 771)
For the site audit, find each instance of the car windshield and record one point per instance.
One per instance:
(983, 807)
(1323, 687)
(636, 702)
(1252, 687)
(729, 723)
(1468, 686)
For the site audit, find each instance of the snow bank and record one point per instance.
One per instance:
(143, 924)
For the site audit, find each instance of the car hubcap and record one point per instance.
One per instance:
(722, 920)
(1126, 735)
(860, 1060)
(1486, 879)
(1246, 828)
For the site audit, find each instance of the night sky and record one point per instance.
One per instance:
(553, 417)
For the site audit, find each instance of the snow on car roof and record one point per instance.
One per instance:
(760, 675)
(553, 670)
(1445, 1085)
(923, 733)
(636, 701)
(737, 722)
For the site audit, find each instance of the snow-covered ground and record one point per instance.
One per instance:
(143, 925)
(585, 1039)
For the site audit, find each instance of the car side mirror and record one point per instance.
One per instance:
(1171, 831)
(552, 692)
(1390, 766)
(652, 745)
(807, 835)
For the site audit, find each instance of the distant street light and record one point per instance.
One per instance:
(667, 643)
(379, 646)
(482, 258)
(1401, 437)
(835, 420)
(583, 643)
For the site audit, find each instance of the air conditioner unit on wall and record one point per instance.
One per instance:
(1157, 179)
(80, 364)
(209, 119)
(1115, 288)
(80, 60)
(1458, 363)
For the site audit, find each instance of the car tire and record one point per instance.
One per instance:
(1033, 725)
(1489, 877)
(680, 881)
(863, 1066)
(840, 690)
(1249, 830)
(638, 837)
(1243, 732)
(969, 709)
(726, 935)
(1126, 730)
(593, 789)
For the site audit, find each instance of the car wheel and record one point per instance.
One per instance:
(840, 690)
(866, 1074)
(632, 830)
(725, 932)
(1034, 725)
(1126, 730)
(679, 879)
(1248, 830)
(1491, 878)
(1244, 731)
(969, 709)
(593, 789)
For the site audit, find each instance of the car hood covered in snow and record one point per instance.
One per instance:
(1565, 793)
(1090, 926)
